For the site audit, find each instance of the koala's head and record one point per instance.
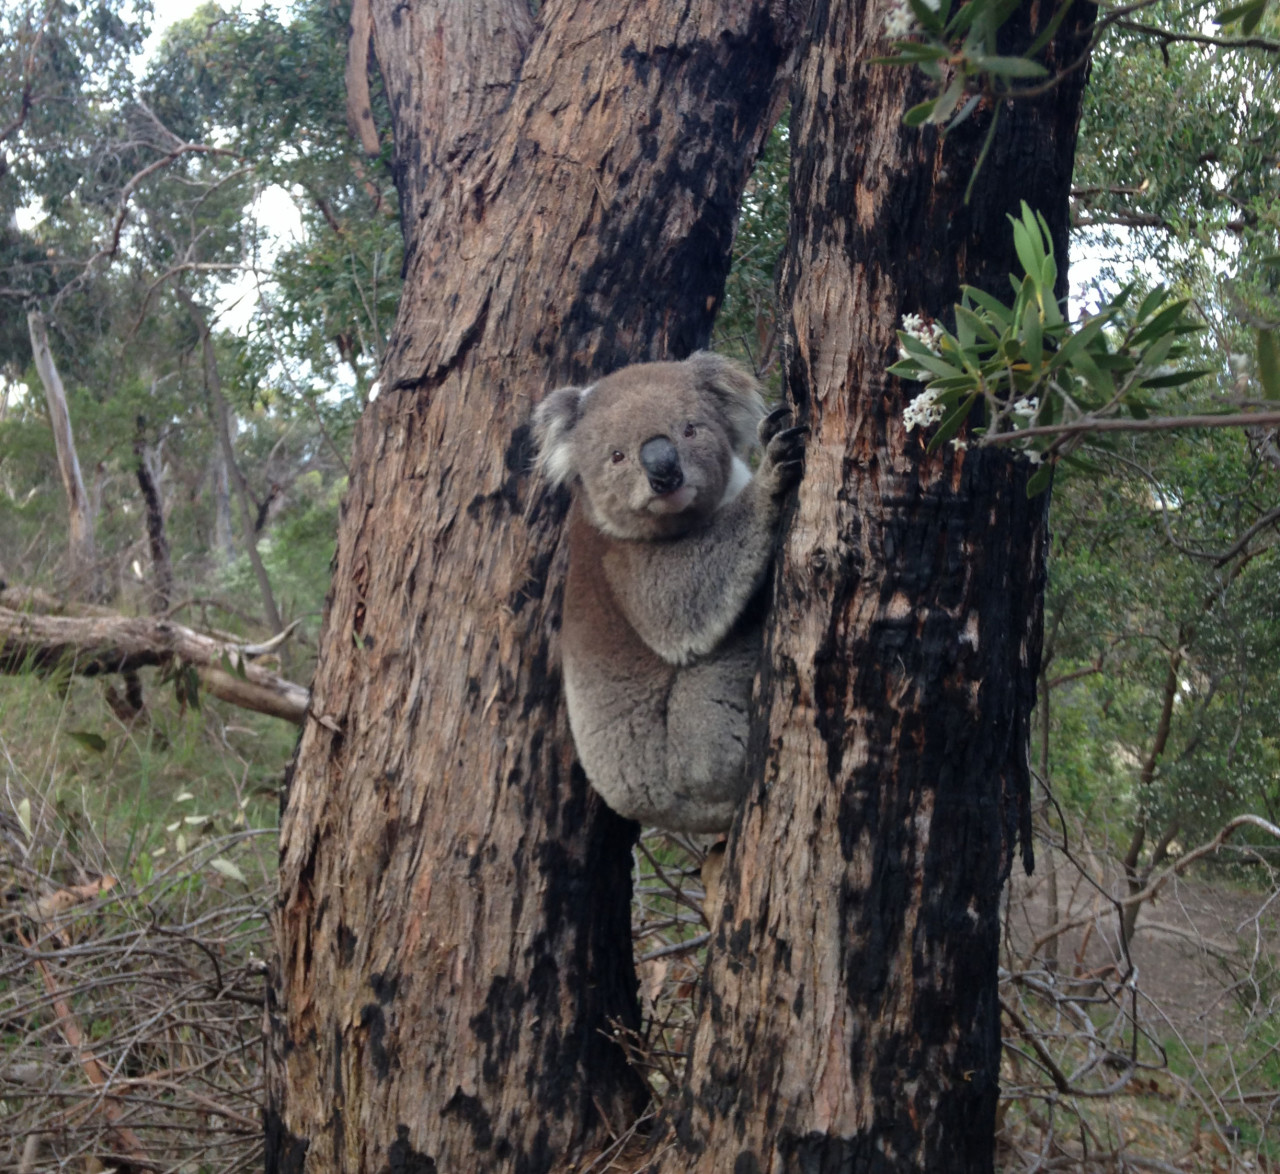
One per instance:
(657, 447)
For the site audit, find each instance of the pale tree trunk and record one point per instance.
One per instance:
(222, 425)
(224, 545)
(85, 581)
(453, 932)
(850, 1019)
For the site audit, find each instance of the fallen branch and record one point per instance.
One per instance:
(72, 1032)
(95, 645)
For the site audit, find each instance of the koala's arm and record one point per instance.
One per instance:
(683, 596)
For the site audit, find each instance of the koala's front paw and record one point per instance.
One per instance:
(783, 457)
(773, 423)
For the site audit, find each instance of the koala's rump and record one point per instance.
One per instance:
(661, 743)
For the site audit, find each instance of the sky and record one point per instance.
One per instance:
(274, 209)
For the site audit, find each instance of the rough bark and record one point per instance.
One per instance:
(850, 1019)
(80, 511)
(97, 644)
(453, 931)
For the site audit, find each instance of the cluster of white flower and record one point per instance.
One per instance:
(1026, 407)
(929, 333)
(922, 411)
(900, 21)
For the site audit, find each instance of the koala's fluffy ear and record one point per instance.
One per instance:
(553, 421)
(737, 394)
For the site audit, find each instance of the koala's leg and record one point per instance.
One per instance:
(707, 715)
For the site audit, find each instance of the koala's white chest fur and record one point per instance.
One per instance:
(670, 538)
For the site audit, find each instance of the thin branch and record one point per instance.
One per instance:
(1157, 424)
(1266, 44)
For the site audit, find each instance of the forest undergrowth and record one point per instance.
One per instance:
(138, 869)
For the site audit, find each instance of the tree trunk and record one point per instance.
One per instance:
(148, 472)
(222, 424)
(223, 543)
(453, 933)
(850, 1019)
(85, 582)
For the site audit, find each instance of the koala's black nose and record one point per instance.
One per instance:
(662, 463)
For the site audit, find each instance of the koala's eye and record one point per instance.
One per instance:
(618, 456)
(690, 430)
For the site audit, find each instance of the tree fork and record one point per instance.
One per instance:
(453, 933)
(850, 1019)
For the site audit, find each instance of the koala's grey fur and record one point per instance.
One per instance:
(666, 552)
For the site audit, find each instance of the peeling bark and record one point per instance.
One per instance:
(453, 934)
(85, 580)
(850, 1019)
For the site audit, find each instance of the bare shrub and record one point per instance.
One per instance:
(1159, 1051)
(130, 1004)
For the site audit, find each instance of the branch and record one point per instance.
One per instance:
(93, 645)
(1159, 424)
(1266, 44)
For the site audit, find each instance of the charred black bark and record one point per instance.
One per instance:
(157, 541)
(851, 1019)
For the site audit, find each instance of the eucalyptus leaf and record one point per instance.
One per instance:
(919, 115)
(1041, 479)
(950, 424)
(1011, 67)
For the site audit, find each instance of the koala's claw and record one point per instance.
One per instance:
(770, 426)
(784, 457)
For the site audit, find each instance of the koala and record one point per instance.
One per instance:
(670, 537)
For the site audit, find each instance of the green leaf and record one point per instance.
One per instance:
(1041, 479)
(978, 325)
(950, 424)
(1162, 323)
(89, 740)
(1253, 17)
(24, 817)
(960, 22)
(1011, 67)
(918, 115)
(928, 18)
(1227, 15)
(1049, 276)
(1028, 255)
(1178, 378)
(1152, 302)
(993, 306)
(1269, 363)
(949, 99)
(938, 366)
(1033, 336)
